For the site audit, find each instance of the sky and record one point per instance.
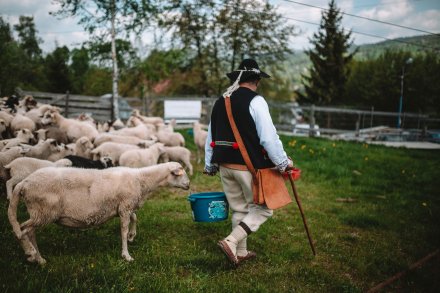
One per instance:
(419, 14)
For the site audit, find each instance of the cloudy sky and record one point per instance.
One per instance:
(419, 14)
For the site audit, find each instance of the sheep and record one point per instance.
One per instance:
(113, 150)
(141, 131)
(82, 198)
(145, 119)
(62, 151)
(179, 154)
(42, 150)
(83, 147)
(81, 162)
(138, 158)
(8, 156)
(23, 136)
(199, 139)
(105, 137)
(37, 113)
(167, 127)
(74, 129)
(3, 128)
(52, 132)
(22, 122)
(170, 139)
(20, 168)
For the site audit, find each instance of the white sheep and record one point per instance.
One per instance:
(36, 114)
(23, 136)
(199, 139)
(20, 168)
(107, 137)
(62, 151)
(113, 150)
(3, 128)
(22, 122)
(42, 150)
(170, 138)
(82, 198)
(8, 156)
(145, 119)
(141, 131)
(83, 147)
(73, 128)
(179, 154)
(138, 158)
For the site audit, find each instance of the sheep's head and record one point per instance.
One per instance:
(107, 162)
(85, 143)
(48, 118)
(178, 176)
(26, 135)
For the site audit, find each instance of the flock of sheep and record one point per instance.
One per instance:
(78, 173)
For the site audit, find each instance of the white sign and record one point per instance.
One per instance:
(183, 111)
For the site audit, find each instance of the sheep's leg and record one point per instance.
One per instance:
(29, 244)
(198, 155)
(33, 240)
(10, 184)
(132, 227)
(189, 166)
(125, 222)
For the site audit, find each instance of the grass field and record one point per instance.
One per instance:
(372, 212)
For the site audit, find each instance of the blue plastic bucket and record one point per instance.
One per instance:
(209, 206)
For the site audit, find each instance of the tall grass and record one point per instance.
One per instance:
(372, 212)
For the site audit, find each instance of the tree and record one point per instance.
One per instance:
(57, 70)
(221, 34)
(80, 64)
(31, 74)
(10, 60)
(325, 83)
(121, 16)
(28, 39)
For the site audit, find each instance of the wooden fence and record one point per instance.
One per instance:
(100, 108)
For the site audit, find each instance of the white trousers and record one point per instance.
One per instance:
(237, 186)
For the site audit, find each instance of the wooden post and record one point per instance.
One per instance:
(358, 122)
(66, 105)
(312, 121)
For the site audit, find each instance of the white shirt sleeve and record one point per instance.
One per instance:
(267, 132)
(208, 150)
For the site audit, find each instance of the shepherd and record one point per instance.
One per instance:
(254, 123)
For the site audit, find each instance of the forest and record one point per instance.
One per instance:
(206, 44)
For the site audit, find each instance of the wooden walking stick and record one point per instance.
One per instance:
(295, 193)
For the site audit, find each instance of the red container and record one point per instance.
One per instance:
(296, 174)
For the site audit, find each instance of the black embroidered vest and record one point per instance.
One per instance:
(224, 151)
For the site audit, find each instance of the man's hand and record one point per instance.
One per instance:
(210, 170)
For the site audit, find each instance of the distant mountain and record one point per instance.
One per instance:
(416, 45)
(299, 62)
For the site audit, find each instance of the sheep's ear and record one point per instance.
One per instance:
(178, 172)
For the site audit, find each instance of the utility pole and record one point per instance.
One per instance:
(399, 120)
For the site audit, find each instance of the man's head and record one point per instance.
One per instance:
(250, 72)
(247, 72)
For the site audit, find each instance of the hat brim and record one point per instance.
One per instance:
(246, 74)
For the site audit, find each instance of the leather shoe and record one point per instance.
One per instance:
(250, 255)
(223, 244)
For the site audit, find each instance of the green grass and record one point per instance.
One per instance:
(391, 222)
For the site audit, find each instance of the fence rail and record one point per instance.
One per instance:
(331, 120)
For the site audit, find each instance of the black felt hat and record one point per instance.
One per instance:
(249, 69)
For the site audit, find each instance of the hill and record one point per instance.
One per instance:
(298, 62)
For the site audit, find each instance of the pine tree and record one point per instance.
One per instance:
(325, 83)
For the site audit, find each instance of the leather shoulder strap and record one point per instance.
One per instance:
(238, 138)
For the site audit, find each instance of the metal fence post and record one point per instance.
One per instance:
(312, 121)
(66, 105)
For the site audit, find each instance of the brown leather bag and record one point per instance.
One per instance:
(268, 184)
